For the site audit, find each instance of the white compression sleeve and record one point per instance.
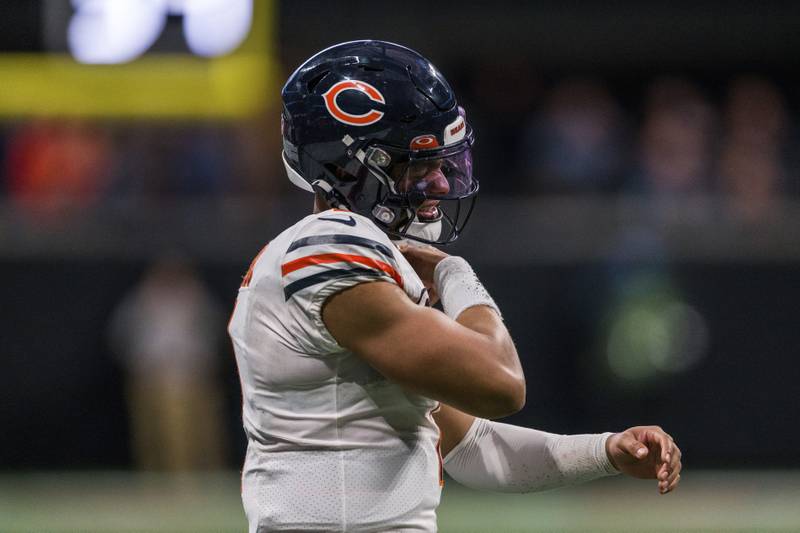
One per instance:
(459, 288)
(506, 458)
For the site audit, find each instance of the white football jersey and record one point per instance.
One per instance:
(332, 444)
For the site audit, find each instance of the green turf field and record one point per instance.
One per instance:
(120, 502)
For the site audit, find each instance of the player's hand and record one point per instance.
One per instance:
(423, 259)
(646, 452)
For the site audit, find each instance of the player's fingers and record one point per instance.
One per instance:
(632, 446)
(656, 435)
(663, 472)
(673, 476)
(676, 451)
(675, 462)
(674, 483)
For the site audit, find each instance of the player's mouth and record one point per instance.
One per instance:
(429, 212)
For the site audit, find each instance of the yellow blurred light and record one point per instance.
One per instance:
(155, 86)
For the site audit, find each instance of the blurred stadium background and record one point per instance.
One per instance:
(639, 223)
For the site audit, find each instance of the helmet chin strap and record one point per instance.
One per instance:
(323, 188)
(331, 196)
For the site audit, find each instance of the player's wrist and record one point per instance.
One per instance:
(459, 287)
(608, 444)
(584, 457)
(605, 458)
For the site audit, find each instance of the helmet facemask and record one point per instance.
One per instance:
(423, 195)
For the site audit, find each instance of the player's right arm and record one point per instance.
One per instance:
(470, 363)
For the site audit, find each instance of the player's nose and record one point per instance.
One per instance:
(436, 183)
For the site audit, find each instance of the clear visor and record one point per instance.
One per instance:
(428, 181)
(445, 177)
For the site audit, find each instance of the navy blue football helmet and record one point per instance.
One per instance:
(375, 128)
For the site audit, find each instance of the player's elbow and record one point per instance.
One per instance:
(519, 394)
(515, 395)
(500, 406)
(510, 383)
(507, 396)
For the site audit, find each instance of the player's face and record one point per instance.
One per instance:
(427, 177)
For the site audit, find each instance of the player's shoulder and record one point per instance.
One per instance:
(338, 229)
(337, 247)
(341, 221)
(334, 249)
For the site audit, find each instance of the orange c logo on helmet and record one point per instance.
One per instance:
(365, 119)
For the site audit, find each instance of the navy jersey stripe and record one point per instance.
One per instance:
(327, 275)
(341, 239)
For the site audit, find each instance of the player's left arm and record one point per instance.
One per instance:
(493, 456)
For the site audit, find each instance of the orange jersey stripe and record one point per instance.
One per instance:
(249, 276)
(320, 259)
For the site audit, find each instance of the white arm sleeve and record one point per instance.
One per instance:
(505, 458)
(459, 287)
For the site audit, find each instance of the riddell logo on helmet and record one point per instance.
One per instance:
(424, 142)
(365, 119)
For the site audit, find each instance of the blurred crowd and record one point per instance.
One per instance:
(572, 136)
(675, 138)
(89, 161)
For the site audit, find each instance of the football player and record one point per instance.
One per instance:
(354, 387)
